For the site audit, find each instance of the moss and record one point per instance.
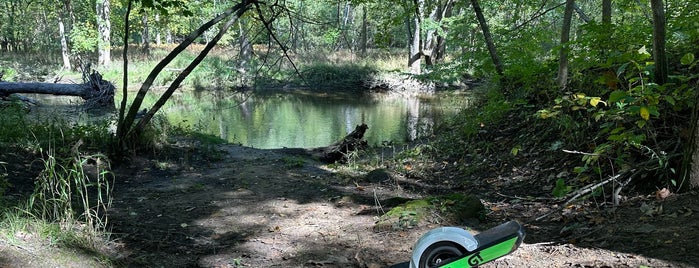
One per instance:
(456, 207)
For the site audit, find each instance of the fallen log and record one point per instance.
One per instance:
(95, 91)
(338, 151)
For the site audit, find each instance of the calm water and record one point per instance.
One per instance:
(303, 119)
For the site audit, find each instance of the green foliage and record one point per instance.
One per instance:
(561, 189)
(83, 38)
(337, 77)
(621, 121)
(4, 183)
(472, 119)
(293, 162)
(8, 74)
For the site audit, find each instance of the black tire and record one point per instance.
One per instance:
(439, 253)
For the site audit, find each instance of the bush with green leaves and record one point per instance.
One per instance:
(630, 122)
(83, 38)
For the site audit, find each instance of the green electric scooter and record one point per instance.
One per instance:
(453, 247)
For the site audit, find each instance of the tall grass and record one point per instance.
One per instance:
(72, 191)
(65, 193)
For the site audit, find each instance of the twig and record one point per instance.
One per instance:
(379, 207)
(590, 188)
(581, 192)
(525, 198)
(615, 197)
(579, 152)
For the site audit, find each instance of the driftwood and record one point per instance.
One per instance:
(95, 91)
(338, 151)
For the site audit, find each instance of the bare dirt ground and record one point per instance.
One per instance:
(269, 208)
(276, 208)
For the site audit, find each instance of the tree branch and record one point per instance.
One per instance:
(536, 16)
(276, 40)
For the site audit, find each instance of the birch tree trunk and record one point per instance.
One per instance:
(104, 28)
(157, 29)
(65, 55)
(415, 45)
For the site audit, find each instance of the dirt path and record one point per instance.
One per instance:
(264, 208)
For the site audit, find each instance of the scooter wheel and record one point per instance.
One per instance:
(440, 253)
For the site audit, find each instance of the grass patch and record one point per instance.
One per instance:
(452, 207)
(337, 77)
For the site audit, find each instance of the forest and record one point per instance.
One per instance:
(580, 124)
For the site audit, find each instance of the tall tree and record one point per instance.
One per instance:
(488, 38)
(661, 72)
(607, 11)
(416, 42)
(565, 38)
(145, 33)
(104, 28)
(65, 54)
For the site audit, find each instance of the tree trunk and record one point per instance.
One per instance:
(415, 44)
(7, 88)
(145, 34)
(430, 39)
(96, 91)
(65, 55)
(104, 28)
(439, 51)
(581, 13)
(565, 37)
(607, 11)
(339, 150)
(126, 128)
(245, 53)
(661, 65)
(690, 164)
(488, 38)
(158, 28)
(364, 33)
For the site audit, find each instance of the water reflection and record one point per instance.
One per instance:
(300, 119)
(303, 119)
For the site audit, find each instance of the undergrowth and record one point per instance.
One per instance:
(72, 192)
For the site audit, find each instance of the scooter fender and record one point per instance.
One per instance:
(451, 234)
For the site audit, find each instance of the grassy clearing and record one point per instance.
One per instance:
(332, 70)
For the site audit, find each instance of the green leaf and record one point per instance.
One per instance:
(641, 123)
(653, 110)
(516, 150)
(670, 100)
(644, 112)
(561, 188)
(621, 69)
(617, 95)
(687, 59)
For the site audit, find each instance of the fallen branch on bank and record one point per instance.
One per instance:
(338, 151)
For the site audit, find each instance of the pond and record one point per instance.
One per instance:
(302, 119)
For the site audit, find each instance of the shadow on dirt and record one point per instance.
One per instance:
(254, 208)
